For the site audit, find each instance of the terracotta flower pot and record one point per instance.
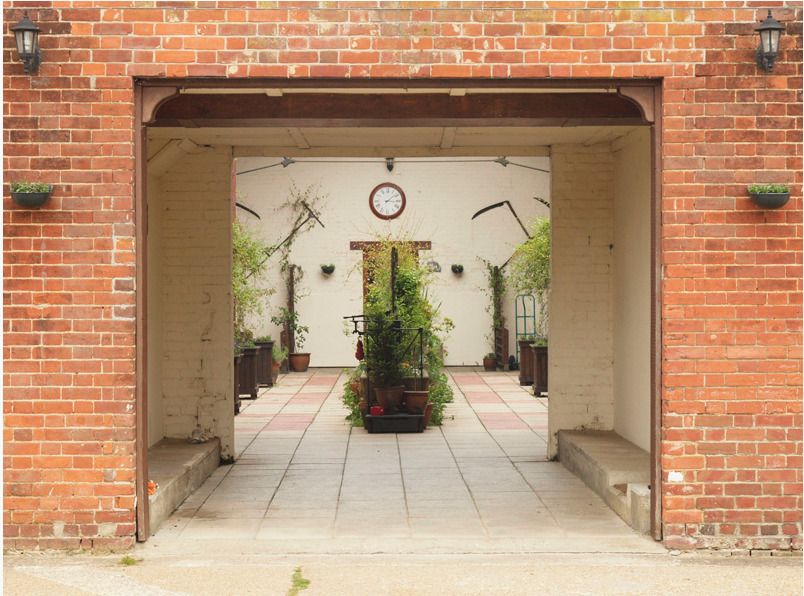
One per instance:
(416, 401)
(428, 412)
(389, 398)
(299, 361)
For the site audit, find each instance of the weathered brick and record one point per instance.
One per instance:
(730, 291)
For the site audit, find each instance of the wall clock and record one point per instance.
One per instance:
(387, 201)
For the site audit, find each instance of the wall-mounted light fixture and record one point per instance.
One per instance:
(26, 34)
(770, 33)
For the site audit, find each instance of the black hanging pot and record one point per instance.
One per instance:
(31, 199)
(770, 200)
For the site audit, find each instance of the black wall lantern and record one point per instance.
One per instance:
(26, 34)
(770, 33)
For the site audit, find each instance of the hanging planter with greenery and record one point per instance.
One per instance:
(770, 196)
(30, 194)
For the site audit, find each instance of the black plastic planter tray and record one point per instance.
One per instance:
(395, 423)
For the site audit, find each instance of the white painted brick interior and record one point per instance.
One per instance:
(581, 299)
(194, 301)
(632, 198)
(442, 195)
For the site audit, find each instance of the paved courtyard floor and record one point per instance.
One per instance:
(305, 481)
(471, 508)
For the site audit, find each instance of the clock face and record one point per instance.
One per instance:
(387, 201)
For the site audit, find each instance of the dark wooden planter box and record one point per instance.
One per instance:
(237, 384)
(265, 362)
(395, 423)
(248, 372)
(540, 369)
(526, 362)
(501, 347)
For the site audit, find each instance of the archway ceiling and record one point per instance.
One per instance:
(392, 123)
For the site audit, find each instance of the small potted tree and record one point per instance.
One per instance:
(248, 266)
(530, 274)
(384, 361)
(294, 335)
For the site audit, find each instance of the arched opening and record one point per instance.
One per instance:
(590, 137)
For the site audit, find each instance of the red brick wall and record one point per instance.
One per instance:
(732, 272)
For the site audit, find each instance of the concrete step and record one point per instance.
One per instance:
(616, 469)
(178, 468)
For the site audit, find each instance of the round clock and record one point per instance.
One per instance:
(387, 201)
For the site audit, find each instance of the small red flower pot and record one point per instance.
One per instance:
(377, 410)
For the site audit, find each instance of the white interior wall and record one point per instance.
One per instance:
(442, 195)
(190, 313)
(581, 347)
(156, 410)
(632, 200)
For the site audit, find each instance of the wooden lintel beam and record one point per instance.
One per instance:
(548, 109)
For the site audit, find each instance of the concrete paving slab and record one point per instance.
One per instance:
(307, 482)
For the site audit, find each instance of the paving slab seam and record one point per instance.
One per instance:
(298, 443)
(513, 464)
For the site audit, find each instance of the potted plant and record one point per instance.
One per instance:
(280, 354)
(525, 359)
(530, 274)
(265, 359)
(769, 196)
(295, 333)
(496, 290)
(30, 194)
(539, 349)
(248, 368)
(419, 363)
(384, 360)
(490, 362)
(237, 355)
(457, 269)
(327, 269)
(248, 265)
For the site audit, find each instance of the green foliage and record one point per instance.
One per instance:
(248, 265)
(291, 320)
(297, 199)
(299, 583)
(25, 186)
(328, 269)
(495, 289)
(350, 399)
(279, 353)
(128, 560)
(756, 189)
(414, 309)
(530, 267)
(385, 350)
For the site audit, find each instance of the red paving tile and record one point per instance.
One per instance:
(322, 381)
(501, 421)
(484, 397)
(467, 379)
(290, 422)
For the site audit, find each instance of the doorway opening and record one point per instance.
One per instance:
(601, 142)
